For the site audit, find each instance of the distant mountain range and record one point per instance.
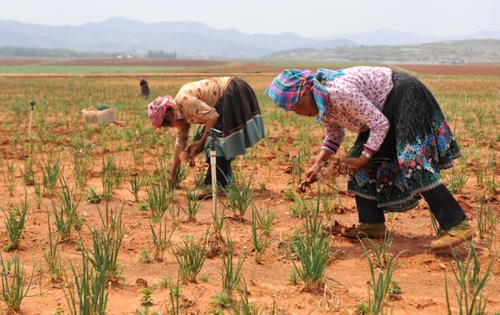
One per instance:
(193, 39)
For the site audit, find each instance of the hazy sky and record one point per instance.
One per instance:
(311, 18)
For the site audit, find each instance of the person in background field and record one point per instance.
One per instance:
(403, 143)
(227, 104)
(144, 88)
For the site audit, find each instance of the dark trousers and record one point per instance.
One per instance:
(443, 205)
(224, 172)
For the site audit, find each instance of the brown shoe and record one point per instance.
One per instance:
(205, 192)
(202, 193)
(372, 230)
(463, 231)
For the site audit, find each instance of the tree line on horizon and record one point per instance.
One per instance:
(28, 52)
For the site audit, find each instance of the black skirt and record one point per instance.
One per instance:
(240, 120)
(418, 145)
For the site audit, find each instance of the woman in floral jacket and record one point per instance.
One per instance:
(402, 130)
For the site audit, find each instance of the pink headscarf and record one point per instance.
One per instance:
(158, 108)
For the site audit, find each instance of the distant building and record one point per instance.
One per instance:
(453, 61)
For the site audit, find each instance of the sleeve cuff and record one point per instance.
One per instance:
(369, 150)
(323, 148)
(330, 146)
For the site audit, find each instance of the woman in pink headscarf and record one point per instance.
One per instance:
(227, 104)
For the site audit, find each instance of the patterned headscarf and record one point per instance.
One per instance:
(158, 108)
(288, 86)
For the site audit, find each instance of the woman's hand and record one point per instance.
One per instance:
(312, 175)
(195, 148)
(351, 165)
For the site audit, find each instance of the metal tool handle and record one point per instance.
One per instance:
(32, 103)
(214, 135)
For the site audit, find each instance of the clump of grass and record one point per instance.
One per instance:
(313, 250)
(293, 277)
(362, 308)
(137, 154)
(240, 194)
(106, 244)
(28, 175)
(193, 205)
(182, 174)
(51, 171)
(164, 174)
(10, 179)
(86, 292)
(381, 271)
(93, 196)
(65, 213)
(15, 285)
(216, 243)
(145, 256)
(52, 257)
(82, 161)
(199, 179)
(243, 306)
(331, 202)
(492, 221)
(456, 179)
(137, 181)
(264, 220)
(142, 206)
(161, 240)
(470, 282)
(110, 177)
(297, 164)
(481, 217)
(263, 184)
(175, 302)
(221, 301)
(14, 220)
(301, 207)
(289, 195)
(260, 240)
(38, 195)
(231, 274)
(204, 278)
(146, 299)
(271, 143)
(175, 210)
(159, 198)
(191, 257)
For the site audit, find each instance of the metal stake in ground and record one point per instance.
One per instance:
(32, 103)
(213, 134)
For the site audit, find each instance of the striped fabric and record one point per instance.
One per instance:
(330, 145)
(287, 87)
